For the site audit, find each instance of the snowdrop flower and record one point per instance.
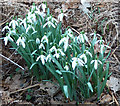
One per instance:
(49, 23)
(60, 17)
(70, 33)
(7, 38)
(57, 55)
(42, 14)
(52, 19)
(44, 39)
(94, 34)
(53, 49)
(6, 27)
(61, 52)
(30, 27)
(87, 52)
(33, 8)
(77, 61)
(99, 41)
(65, 41)
(13, 23)
(81, 38)
(43, 59)
(58, 52)
(102, 47)
(31, 17)
(43, 7)
(21, 41)
(85, 5)
(66, 67)
(24, 23)
(96, 63)
(42, 46)
(37, 41)
(48, 58)
(83, 56)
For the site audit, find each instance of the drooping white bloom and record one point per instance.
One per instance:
(41, 46)
(52, 19)
(42, 14)
(49, 23)
(6, 27)
(13, 23)
(53, 49)
(66, 67)
(99, 41)
(43, 7)
(37, 41)
(77, 61)
(60, 17)
(33, 8)
(96, 63)
(30, 27)
(43, 59)
(85, 3)
(102, 48)
(44, 39)
(65, 41)
(24, 23)
(21, 41)
(57, 55)
(83, 56)
(31, 17)
(70, 33)
(82, 38)
(61, 52)
(48, 58)
(7, 38)
(94, 34)
(88, 53)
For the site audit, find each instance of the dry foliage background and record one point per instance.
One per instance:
(74, 18)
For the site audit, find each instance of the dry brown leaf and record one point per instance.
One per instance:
(105, 99)
(114, 83)
(57, 10)
(16, 83)
(65, 7)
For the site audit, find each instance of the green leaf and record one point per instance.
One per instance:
(17, 69)
(65, 88)
(105, 80)
(59, 72)
(90, 86)
(28, 97)
(33, 52)
(33, 65)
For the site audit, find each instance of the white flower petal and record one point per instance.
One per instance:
(13, 23)
(42, 46)
(66, 67)
(96, 64)
(6, 27)
(74, 64)
(99, 61)
(92, 61)
(60, 17)
(37, 41)
(44, 39)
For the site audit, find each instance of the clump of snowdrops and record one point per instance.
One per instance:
(73, 61)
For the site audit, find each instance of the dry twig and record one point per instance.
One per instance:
(12, 62)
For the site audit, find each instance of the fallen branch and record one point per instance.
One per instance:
(12, 61)
(19, 90)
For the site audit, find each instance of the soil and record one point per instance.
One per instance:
(17, 87)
